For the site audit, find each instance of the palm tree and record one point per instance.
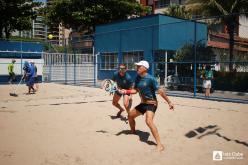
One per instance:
(228, 8)
(177, 11)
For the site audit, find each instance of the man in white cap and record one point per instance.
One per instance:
(147, 86)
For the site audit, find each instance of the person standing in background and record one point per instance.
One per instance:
(207, 78)
(36, 75)
(11, 71)
(29, 75)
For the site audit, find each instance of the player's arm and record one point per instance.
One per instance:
(162, 93)
(128, 91)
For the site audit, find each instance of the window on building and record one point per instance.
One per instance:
(129, 58)
(181, 2)
(109, 61)
(162, 3)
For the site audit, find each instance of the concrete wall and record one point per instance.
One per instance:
(30, 50)
(18, 46)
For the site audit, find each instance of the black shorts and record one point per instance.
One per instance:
(143, 107)
(120, 94)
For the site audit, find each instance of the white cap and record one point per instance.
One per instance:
(143, 63)
(32, 61)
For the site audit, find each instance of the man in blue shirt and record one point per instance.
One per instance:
(29, 74)
(147, 86)
(124, 81)
(35, 75)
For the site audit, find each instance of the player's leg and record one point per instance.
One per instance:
(154, 130)
(9, 78)
(36, 83)
(131, 118)
(115, 103)
(127, 102)
(208, 88)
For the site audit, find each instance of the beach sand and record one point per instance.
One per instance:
(75, 125)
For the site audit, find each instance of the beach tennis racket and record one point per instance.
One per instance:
(109, 86)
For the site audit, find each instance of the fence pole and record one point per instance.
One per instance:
(166, 69)
(21, 57)
(50, 67)
(74, 58)
(194, 58)
(49, 61)
(65, 59)
(94, 58)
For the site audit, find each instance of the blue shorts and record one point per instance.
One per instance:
(30, 81)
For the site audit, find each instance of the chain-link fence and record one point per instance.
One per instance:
(61, 64)
(178, 51)
(69, 68)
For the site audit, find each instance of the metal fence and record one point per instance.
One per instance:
(177, 68)
(227, 86)
(66, 68)
(69, 68)
(82, 69)
(182, 54)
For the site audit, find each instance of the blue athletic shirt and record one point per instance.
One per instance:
(123, 82)
(147, 87)
(29, 69)
(209, 74)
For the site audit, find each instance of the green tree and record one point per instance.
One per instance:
(186, 53)
(178, 11)
(85, 15)
(204, 55)
(228, 8)
(16, 15)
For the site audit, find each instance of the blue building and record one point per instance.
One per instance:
(153, 38)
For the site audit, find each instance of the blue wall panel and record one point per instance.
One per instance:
(128, 24)
(173, 35)
(20, 46)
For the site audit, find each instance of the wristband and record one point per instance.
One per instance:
(128, 92)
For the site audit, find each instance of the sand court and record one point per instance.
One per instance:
(75, 125)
